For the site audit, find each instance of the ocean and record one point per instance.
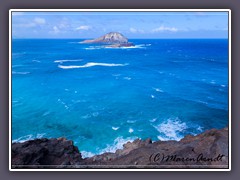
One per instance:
(101, 98)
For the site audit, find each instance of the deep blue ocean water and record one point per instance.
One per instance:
(102, 97)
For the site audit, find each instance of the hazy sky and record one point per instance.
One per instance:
(130, 24)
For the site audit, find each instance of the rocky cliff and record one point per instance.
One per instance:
(206, 150)
(113, 39)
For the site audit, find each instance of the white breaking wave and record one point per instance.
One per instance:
(170, 129)
(115, 128)
(158, 89)
(127, 78)
(153, 120)
(117, 144)
(86, 154)
(130, 130)
(91, 64)
(62, 61)
(138, 46)
(199, 128)
(28, 137)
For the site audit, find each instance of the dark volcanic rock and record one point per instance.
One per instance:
(206, 150)
(114, 39)
(45, 152)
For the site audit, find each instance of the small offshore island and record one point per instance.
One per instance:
(112, 39)
(206, 150)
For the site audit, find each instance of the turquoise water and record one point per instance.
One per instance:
(102, 97)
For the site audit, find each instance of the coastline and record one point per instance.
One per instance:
(206, 150)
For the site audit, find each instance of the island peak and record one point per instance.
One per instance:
(113, 39)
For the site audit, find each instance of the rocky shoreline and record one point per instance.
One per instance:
(206, 150)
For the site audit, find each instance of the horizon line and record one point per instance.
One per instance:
(128, 38)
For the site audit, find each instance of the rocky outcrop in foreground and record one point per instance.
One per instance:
(113, 39)
(45, 152)
(206, 150)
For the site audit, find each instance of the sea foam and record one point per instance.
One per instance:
(138, 46)
(28, 137)
(170, 129)
(86, 154)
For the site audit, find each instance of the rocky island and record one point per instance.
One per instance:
(206, 150)
(112, 39)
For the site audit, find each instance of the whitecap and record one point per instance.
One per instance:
(62, 61)
(152, 96)
(199, 128)
(153, 120)
(115, 128)
(127, 78)
(91, 64)
(158, 89)
(130, 130)
(170, 129)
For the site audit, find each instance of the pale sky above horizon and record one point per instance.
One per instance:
(131, 24)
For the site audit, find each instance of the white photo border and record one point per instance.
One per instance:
(120, 10)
